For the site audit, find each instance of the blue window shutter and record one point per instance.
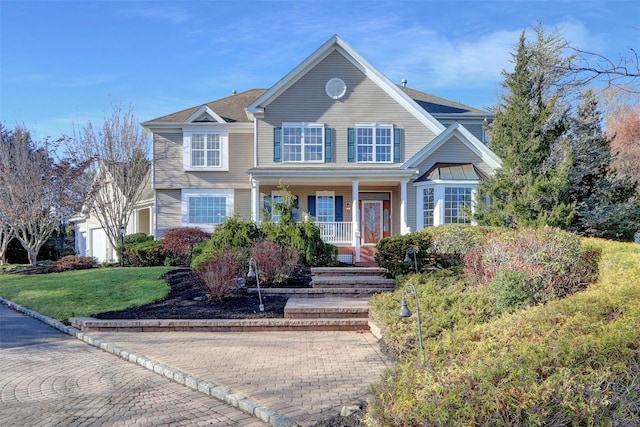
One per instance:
(328, 145)
(338, 211)
(277, 144)
(267, 204)
(397, 145)
(351, 145)
(295, 210)
(311, 205)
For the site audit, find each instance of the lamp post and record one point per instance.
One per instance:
(407, 258)
(404, 308)
(122, 230)
(253, 273)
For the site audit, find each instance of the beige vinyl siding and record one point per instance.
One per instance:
(168, 211)
(242, 203)
(454, 151)
(169, 172)
(364, 102)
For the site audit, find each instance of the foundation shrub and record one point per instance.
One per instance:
(220, 272)
(178, 244)
(144, 254)
(573, 361)
(75, 262)
(391, 252)
(274, 261)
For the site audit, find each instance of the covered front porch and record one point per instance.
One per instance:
(353, 212)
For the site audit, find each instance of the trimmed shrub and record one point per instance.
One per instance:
(391, 252)
(274, 261)
(145, 254)
(219, 273)
(178, 243)
(75, 262)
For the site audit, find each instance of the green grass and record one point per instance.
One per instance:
(85, 292)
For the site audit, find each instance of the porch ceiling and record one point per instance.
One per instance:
(334, 175)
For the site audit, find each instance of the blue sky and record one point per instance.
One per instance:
(65, 62)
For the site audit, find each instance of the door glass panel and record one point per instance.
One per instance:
(371, 221)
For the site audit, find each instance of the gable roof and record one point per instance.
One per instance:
(467, 138)
(437, 106)
(230, 109)
(337, 44)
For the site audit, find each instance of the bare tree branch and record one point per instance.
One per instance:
(120, 152)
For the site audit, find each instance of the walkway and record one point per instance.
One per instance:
(299, 377)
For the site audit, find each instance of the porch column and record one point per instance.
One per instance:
(255, 200)
(403, 207)
(355, 218)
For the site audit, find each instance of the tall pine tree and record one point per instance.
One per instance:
(531, 187)
(605, 202)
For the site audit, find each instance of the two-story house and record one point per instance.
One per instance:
(366, 158)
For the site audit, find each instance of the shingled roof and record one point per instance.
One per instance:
(231, 108)
(435, 105)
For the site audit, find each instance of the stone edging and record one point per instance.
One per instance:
(217, 392)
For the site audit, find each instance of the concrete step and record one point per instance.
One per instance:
(352, 282)
(327, 308)
(87, 324)
(348, 271)
(321, 292)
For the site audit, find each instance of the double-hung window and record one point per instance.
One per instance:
(428, 206)
(374, 143)
(456, 201)
(302, 142)
(205, 150)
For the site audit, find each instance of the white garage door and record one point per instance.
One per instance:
(99, 243)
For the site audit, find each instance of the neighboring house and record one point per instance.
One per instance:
(91, 239)
(366, 158)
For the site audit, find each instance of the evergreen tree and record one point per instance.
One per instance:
(605, 202)
(531, 187)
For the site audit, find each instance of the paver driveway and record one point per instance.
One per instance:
(48, 378)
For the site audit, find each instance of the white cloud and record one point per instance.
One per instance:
(174, 14)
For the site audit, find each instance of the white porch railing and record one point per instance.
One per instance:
(336, 232)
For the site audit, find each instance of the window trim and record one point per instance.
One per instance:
(332, 195)
(375, 127)
(224, 148)
(439, 200)
(187, 194)
(303, 126)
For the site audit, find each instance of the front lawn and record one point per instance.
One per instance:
(81, 293)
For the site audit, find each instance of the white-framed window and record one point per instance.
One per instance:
(273, 205)
(206, 208)
(302, 142)
(456, 201)
(428, 206)
(205, 149)
(325, 206)
(374, 143)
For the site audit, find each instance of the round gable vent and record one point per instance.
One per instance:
(335, 88)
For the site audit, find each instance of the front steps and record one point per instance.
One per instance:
(337, 301)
